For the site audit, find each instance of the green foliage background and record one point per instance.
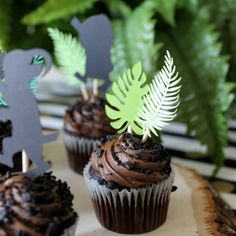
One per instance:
(200, 35)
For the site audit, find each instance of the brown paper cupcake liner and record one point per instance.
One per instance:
(79, 150)
(131, 211)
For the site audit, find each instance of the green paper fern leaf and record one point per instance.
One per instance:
(161, 102)
(126, 99)
(69, 53)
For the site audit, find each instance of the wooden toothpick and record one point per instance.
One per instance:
(129, 130)
(84, 91)
(25, 162)
(95, 87)
(144, 138)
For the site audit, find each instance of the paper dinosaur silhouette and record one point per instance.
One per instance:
(22, 109)
(95, 35)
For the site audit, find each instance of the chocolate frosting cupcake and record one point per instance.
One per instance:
(34, 208)
(125, 162)
(6, 131)
(88, 118)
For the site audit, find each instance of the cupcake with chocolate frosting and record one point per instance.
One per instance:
(39, 207)
(85, 123)
(129, 177)
(5, 131)
(130, 184)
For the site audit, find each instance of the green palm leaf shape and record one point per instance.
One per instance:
(161, 102)
(70, 55)
(123, 104)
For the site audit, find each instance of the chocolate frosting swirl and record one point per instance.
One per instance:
(125, 162)
(34, 208)
(88, 118)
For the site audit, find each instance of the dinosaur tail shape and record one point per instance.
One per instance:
(50, 137)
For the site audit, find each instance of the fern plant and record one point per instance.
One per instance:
(134, 41)
(205, 94)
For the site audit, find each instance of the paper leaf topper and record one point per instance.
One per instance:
(90, 56)
(70, 55)
(22, 109)
(145, 108)
(126, 99)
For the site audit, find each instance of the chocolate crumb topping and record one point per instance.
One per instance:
(129, 163)
(35, 208)
(88, 118)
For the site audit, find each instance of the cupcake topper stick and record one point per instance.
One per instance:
(144, 108)
(22, 109)
(25, 162)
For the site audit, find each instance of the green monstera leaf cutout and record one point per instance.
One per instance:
(126, 99)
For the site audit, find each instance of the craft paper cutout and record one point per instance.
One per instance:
(22, 109)
(70, 55)
(144, 108)
(33, 84)
(126, 99)
(95, 35)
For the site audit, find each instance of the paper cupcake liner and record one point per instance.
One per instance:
(130, 211)
(79, 150)
(71, 230)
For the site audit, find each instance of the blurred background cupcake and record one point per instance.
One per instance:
(85, 122)
(5, 131)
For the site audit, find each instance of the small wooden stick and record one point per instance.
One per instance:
(144, 138)
(25, 162)
(95, 87)
(84, 91)
(129, 130)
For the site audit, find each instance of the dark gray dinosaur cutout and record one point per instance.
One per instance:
(95, 35)
(22, 109)
(1, 64)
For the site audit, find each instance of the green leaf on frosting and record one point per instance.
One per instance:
(126, 99)
(70, 55)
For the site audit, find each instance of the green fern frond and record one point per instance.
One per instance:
(161, 102)
(166, 9)
(204, 90)
(53, 10)
(134, 40)
(124, 102)
(69, 53)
